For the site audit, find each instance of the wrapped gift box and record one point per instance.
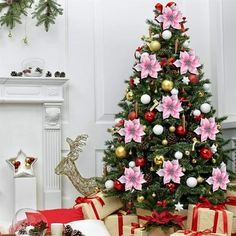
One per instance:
(234, 225)
(205, 220)
(189, 233)
(157, 231)
(142, 213)
(183, 213)
(115, 222)
(98, 206)
(231, 193)
(230, 204)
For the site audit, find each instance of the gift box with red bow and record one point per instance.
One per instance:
(194, 233)
(204, 216)
(230, 204)
(137, 230)
(98, 206)
(115, 222)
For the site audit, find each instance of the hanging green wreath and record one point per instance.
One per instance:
(45, 12)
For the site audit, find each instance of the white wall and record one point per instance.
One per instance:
(94, 42)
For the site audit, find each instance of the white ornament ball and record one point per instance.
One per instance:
(158, 129)
(205, 108)
(178, 155)
(196, 112)
(109, 184)
(145, 99)
(191, 182)
(186, 44)
(166, 34)
(131, 164)
(174, 91)
(206, 87)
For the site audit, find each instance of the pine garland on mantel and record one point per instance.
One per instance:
(45, 12)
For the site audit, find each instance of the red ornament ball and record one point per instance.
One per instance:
(162, 203)
(118, 185)
(180, 131)
(206, 153)
(171, 187)
(198, 118)
(193, 79)
(132, 115)
(140, 161)
(131, 82)
(149, 116)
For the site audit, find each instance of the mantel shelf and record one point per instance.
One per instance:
(31, 89)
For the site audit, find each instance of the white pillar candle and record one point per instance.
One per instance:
(56, 229)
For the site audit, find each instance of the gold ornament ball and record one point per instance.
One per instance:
(154, 195)
(187, 153)
(194, 161)
(140, 199)
(167, 85)
(158, 160)
(130, 96)
(155, 46)
(201, 94)
(172, 129)
(121, 152)
(164, 142)
(213, 160)
(200, 179)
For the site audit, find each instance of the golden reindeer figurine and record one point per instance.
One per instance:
(85, 186)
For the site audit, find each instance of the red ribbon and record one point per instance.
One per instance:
(169, 61)
(199, 233)
(89, 200)
(207, 204)
(120, 224)
(134, 226)
(231, 201)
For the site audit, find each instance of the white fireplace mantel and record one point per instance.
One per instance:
(49, 93)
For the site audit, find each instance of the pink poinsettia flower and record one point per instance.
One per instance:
(171, 171)
(132, 130)
(170, 106)
(188, 62)
(207, 129)
(171, 16)
(219, 178)
(148, 66)
(132, 178)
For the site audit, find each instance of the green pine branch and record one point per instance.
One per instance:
(46, 12)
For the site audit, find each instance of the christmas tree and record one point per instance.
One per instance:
(167, 148)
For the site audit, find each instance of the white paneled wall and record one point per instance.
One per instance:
(94, 42)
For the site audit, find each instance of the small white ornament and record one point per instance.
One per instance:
(191, 182)
(206, 87)
(222, 166)
(186, 44)
(185, 80)
(109, 184)
(158, 129)
(166, 34)
(137, 54)
(131, 164)
(174, 91)
(145, 99)
(205, 108)
(136, 81)
(179, 206)
(178, 155)
(196, 112)
(214, 148)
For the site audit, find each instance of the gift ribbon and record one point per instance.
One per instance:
(199, 233)
(89, 200)
(207, 204)
(134, 226)
(231, 201)
(120, 224)
(169, 61)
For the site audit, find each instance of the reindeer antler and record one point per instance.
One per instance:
(75, 146)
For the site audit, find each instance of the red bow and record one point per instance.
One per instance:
(164, 218)
(134, 226)
(169, 61)
(159, 6)
(231, 201)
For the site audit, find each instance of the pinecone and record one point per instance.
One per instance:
(148, 177)
(189, 136)
(163, 52)
(174, 72)
(172, 138)
(76, 233)
(68, 230)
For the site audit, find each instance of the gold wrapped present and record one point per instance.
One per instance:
(194, 233)
(213, 218)
(136, 230)
(115, 222)
(98, 206)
